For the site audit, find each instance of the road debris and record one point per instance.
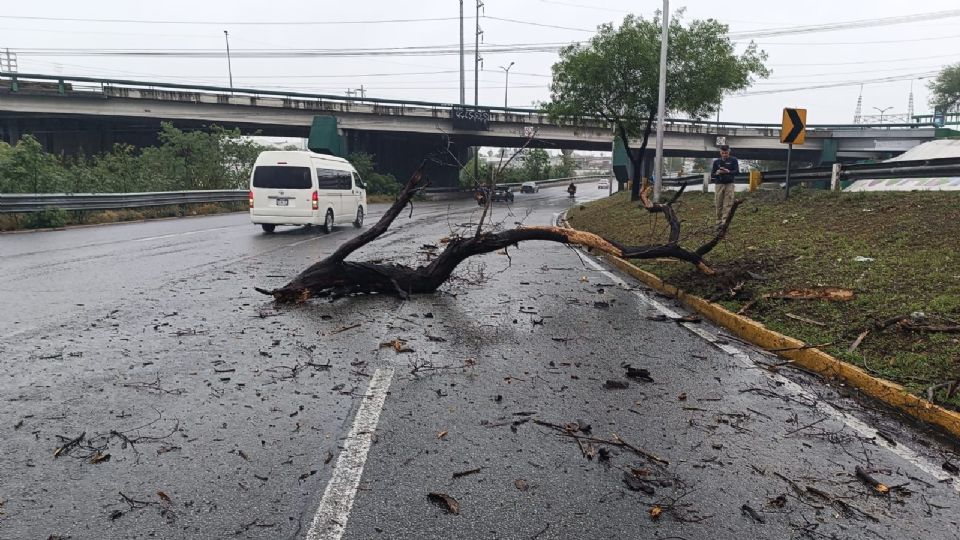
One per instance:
(865, 477)
(748, 511)
(461, 474)
(521, 484)
(398, 345)
(444, 501)
(613, 384)
(638, 374)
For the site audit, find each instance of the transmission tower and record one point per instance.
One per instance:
(8, 61)
(856, 112)
(910, 104)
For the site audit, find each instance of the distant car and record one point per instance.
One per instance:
(529, 187)
(603, 185)
(502, 194)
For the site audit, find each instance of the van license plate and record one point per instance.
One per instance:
(283, 202)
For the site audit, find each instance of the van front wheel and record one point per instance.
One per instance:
(268, 227)
(359, 221)
(328, 222)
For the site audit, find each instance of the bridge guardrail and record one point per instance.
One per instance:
(61, 84)
(36, 202)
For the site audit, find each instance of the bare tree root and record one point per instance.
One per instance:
(336, 277)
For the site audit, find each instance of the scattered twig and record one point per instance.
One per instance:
(856, 343)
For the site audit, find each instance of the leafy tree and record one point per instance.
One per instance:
(27, 168)
(467, 179)
(564, 169)
(945, 89)
(615, 76)
(381, 184)
(536, 164)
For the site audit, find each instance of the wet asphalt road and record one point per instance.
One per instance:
(226, 417)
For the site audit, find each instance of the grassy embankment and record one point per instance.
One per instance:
(812, 240)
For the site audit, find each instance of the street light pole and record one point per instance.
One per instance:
(226, 36)
(506, 82)
(661, 101)
(462, 79)
(883, 110)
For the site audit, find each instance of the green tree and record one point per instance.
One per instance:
(27, 168)
(536, 164)
(615, 75)
(945, 89)
(564, 169)
(468, 180)
(380, 184)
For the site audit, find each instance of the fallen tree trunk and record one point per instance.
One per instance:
(335, 277)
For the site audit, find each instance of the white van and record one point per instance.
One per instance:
(305, 188)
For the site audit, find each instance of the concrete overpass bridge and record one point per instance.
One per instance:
(81, 114)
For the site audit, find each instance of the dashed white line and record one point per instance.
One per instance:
(861, 427)
(174, 235)
(334, 511)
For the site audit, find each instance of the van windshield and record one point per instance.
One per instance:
(273, 177)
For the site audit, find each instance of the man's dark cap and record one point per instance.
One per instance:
(724, 147)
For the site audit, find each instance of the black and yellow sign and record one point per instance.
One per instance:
(793, 130)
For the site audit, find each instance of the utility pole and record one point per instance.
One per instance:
(476, 87)
(462, 79)
(506, 82)
(226, 36)
(476, 58)
(661, 101)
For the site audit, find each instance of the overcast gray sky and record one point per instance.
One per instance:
(906, 52)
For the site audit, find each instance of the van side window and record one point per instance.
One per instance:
(331, 179)
(359, 181)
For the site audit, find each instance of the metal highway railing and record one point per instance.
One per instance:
(36, 202)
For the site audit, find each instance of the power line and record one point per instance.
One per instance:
(894, 78)
(529, 23)
(816, 43)
(231, 23)
(862, 23)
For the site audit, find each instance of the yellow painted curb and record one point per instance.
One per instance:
(812, 359)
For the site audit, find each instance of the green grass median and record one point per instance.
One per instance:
(899, 252)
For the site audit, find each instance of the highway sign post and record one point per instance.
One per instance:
(792, 131)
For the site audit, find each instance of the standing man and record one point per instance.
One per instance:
(723, 173)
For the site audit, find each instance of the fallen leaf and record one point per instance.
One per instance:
(444, 501)
(398, 345)
(242, 454)
(164, 497)
(99, 458)
(655, 512)
(442, 434)
(779, 502)
(682, 396)
(521, 484)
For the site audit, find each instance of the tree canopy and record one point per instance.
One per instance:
(615, 75)
(945, 89)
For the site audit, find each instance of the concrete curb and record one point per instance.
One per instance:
(812, 359)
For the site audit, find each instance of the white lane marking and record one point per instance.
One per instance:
(174, 235)
(331, 517)
(312, 239)
(861, 427)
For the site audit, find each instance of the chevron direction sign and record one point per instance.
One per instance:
(794, 125)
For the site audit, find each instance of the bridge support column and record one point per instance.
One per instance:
(400, 154)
